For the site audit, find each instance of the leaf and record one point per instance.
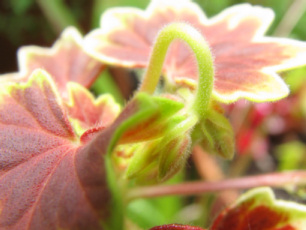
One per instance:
(86, 112)
(48, 180)
(50, 176)
(246, 61)
(258, 210)
(65, 61)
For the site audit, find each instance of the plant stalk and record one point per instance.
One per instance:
(280, 179)
(201, 50)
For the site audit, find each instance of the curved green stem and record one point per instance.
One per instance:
(203, 56)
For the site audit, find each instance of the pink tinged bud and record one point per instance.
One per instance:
(173, 156)
(158, 160)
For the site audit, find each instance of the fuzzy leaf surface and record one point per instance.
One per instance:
(246, 61)
(51, 177)
(48, 178)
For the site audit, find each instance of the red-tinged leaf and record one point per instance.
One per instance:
(258, 210)
(176, 227)
(86, 112)
(65, 61)
(246, 62)
(48, 178)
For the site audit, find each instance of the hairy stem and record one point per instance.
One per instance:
(192, 188)
(203, 56)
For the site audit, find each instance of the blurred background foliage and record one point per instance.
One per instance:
(24, 22)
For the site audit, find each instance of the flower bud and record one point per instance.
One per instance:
(218, 136)
(173, 156)
(157, 160)
(145, 155)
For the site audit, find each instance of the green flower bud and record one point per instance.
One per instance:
(218, 135)
(145, 154)
(157, 160)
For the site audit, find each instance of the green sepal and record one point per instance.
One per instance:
(218, 135)
(144, 155)
(147, 153)
(173, 156)
(168, 106)
(149, 175)
(137, 112)
(159, 112)
(157, 160)
(174, 146)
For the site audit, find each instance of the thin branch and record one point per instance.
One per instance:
(280, 179)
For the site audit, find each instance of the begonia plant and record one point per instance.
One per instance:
(70, 160)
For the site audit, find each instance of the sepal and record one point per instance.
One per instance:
(218, 135)
(154, 122)
(144, 155)
(158, 160)
(174, 154)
